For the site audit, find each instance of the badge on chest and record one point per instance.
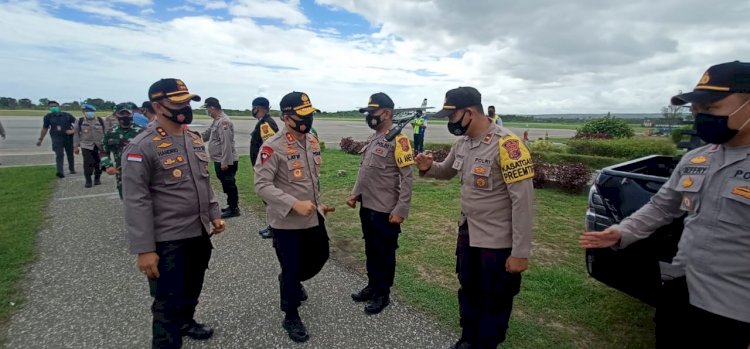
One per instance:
(457, 164)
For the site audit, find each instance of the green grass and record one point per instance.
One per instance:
(593, 162)
(559, 305)
(24, 193)
(562, 126)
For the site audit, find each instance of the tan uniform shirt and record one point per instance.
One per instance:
(89, 133)
(497, 194)
(166, 190)
(287, 170)
(110, 122)
(384, 184)
(712, 185)
(220, 137)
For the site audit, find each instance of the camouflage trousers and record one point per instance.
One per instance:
(118, 176)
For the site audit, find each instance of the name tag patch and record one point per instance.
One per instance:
(457, 164)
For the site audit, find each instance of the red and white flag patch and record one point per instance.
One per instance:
(265, 154)
(135, 157)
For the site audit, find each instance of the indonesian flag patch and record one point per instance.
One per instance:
(135, 157)
(265, 154)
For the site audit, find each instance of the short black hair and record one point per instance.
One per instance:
(480, 108)
(492, 106)
(52, 102)
(147, 105)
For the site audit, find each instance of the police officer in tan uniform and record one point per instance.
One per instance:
(383, 187)
(220, 136)
(286, 178)
(170, 209)
(494, 235)
(111, 121)
(710, 306)
(264, 129)
(89, 132)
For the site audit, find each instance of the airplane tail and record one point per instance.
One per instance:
(424, 103)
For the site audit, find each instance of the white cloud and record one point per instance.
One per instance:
(105, 9)
(186, 8)
(287, 11)
(525, 57)
(209, 4)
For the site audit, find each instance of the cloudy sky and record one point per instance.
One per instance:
(526, 57)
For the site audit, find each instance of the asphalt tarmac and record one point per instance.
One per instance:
(83, 291)
(19, 148)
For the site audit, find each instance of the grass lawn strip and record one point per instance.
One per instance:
(24, 194)
(559, 305)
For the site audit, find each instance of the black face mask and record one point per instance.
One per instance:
(183, 115)
(255, 112)
(373, 120)
(125, 121)
(304, 125)
(456, 128)
(714, 129)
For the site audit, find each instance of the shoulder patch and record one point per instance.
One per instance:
(515, 160)
(266, 131)
(265, 154)
(404, 153)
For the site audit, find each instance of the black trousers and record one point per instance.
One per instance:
(381, 242)
(182, 267)
(419, 142)
(682, 325)
(228, 183)
(302, 254)
(485, 298)
(63, 145)
(91, 163)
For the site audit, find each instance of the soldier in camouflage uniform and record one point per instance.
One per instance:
(116, 139)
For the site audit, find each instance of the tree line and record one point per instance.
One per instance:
(25, 103)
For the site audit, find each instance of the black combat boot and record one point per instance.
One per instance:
(197, 331)
(295, 328)
(377, 304)
(266, 233)
(363, 296)
(232, 212)
(97, 179)
(462, 344)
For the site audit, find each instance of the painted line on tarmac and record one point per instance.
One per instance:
(26, 165)
(87, 196)
(27, 153)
